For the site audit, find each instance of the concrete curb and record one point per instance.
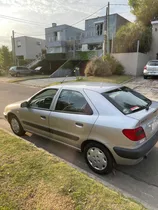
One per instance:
(106, 184)
(130, 80)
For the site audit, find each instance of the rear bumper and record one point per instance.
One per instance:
(151, 74)
(137, 153)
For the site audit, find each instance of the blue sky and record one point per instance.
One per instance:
(44, 12)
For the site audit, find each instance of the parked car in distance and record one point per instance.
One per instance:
(151, 69)
(20, 70)
(111, 124)
(39, 70)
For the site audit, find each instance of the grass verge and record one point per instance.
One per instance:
(21, 79)
(111, 79)
(30, 179)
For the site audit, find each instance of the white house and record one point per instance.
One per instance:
(28, 47)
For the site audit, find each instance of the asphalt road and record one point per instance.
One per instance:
(140, 181)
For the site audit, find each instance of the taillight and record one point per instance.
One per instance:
(136, 134)
(145, 68)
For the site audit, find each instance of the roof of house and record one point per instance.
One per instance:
(115, 14)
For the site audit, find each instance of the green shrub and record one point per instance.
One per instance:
(115, 66)
(98, 67)
(2, 72)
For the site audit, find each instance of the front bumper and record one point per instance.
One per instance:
(139, 152)
(5, 116)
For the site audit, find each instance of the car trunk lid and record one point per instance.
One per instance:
(148, 119)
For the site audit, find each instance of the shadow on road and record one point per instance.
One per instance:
(146, 171)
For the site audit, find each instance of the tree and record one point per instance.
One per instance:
(144, 10)
(128, 36)
(5, 57)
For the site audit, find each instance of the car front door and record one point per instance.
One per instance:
(35, 118)
(73, 117)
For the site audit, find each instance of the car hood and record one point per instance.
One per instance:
(13, 106)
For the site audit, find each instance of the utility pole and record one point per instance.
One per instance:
(107, 28)
(74, 49)
(13, 47)
(106, 44)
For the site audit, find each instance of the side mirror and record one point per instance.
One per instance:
(24, 104)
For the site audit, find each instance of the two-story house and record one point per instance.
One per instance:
(28, 47)
(94, 31)
(60, 38)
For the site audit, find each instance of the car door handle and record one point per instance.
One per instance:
(43, 117)
(79, 125)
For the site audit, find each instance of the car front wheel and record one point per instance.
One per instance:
(16, 126)
(98, 158)
(18, 74)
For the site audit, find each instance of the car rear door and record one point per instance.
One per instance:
(35, 118)
(73, 117)
(26, 71)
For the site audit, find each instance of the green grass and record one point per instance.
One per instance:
(20, 79)
(111, 79)
(31, 179)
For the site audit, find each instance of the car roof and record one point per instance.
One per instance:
(94, 86)
(153, 61)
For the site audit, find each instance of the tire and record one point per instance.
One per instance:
(104, 154)
(16, 126)
(145, 77)
(18, 74)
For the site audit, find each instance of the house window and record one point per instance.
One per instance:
(99, 29)
(18, 43)
(156, 29)
(38, 43)
(57, 36)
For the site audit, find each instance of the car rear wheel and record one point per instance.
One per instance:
(98, 158)
(16, 126)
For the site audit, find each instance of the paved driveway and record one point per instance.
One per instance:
(147, 87)
(140, 181)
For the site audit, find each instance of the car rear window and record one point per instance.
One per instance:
(153, 63)
(127, 100)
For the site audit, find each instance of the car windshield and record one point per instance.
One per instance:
(153, 63)
(127, 100)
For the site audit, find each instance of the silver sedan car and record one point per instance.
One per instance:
(151, 69)
(110, 124)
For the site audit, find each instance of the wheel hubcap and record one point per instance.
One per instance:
(15, 125)
(97, 158)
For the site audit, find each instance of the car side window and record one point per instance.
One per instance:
(43, 100)
(73, 102)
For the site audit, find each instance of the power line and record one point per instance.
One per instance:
(21, 20)
(81, 19)
(119, 5)
(77, 21)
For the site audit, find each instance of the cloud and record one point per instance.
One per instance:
(48, 11)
